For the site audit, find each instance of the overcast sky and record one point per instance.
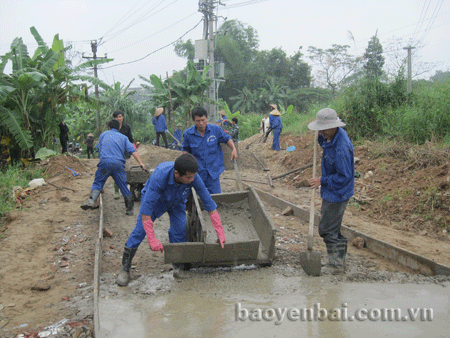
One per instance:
(140, 29)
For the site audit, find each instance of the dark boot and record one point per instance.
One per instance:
(336, 258)
(124, 276)
(90, 204)
(129, 204)
(116, 192)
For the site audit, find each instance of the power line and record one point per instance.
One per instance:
(430, 23)
(155, 33)
(142, 17)
(245, 3)
(157, 50)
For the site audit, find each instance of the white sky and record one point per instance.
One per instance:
(135, 28)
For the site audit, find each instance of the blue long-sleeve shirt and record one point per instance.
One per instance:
(112, 145)
(275, 122)
(206, 149)
(338, 168)
(161, 191)
(160, 123)
(178, 134)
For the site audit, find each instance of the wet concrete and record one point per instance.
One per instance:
(204, 304)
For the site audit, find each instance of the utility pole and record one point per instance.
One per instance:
(409, 81)
(94, 52)
(207, 8)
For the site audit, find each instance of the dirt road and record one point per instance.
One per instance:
(47, 250)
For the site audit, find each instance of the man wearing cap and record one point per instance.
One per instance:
(90, 145)
(337, 185)
(159, 121)
(276, 126)
(203, 141)
(178, 135)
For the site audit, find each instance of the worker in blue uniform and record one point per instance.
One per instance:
(203, 141)
(276, 126)
(337, 185)
(167, 190)
(112, 146)
(178, 135)
(159, 121)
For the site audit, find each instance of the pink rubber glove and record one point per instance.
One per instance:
(217, 224)
(155, 245)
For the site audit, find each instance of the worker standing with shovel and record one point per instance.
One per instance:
(337, 185)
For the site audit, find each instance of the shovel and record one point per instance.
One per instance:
(310, 260)
(238, 175)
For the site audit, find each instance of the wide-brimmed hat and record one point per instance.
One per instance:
(158, 111)
(90, 134)
(326, 119)
(274, 106)
(222, 112)
(179, 125)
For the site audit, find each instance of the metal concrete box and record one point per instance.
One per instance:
(249, 231)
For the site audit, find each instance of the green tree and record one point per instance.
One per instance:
(374, 59)
(335, 65)
(35, 96)
(185, 49)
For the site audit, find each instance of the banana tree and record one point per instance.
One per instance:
(34, 97)
(189, 88)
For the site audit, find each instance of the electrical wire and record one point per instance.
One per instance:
(142, 17)
(422, 16)
(245, 3)
(162, 30)
(431, 22)
(157, 50)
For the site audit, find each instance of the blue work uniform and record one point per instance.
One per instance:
(111, 148)
(223, 118)
(337, 185)
(208, 152)
(276, 125)
(162, 194)
(178, 134)
(160, 123)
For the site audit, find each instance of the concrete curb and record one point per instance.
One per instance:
(98, 270)
(404, 257)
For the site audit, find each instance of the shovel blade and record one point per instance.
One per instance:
(311, 262)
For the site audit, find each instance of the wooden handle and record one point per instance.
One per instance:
(313, 194)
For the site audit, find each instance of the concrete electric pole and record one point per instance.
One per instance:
(409, 81)
(207, 8)
(94, 52)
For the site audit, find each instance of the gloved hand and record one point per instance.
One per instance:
(155, 245)
(134, 146)
(217, 224)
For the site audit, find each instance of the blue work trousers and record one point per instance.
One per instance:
(276, 139)
(114, 169)
(177, 230)
(212, 185)
(331, 221)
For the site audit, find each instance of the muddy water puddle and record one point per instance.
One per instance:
(271, 302)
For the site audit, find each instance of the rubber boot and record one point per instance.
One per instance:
(179, 270)
(129, 204)
(124, 276)
(336, 259)
(116, 192)
(90, 204)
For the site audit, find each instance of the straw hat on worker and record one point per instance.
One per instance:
(159, 111)
(90, 135)
(275, 110)
(326, 119)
